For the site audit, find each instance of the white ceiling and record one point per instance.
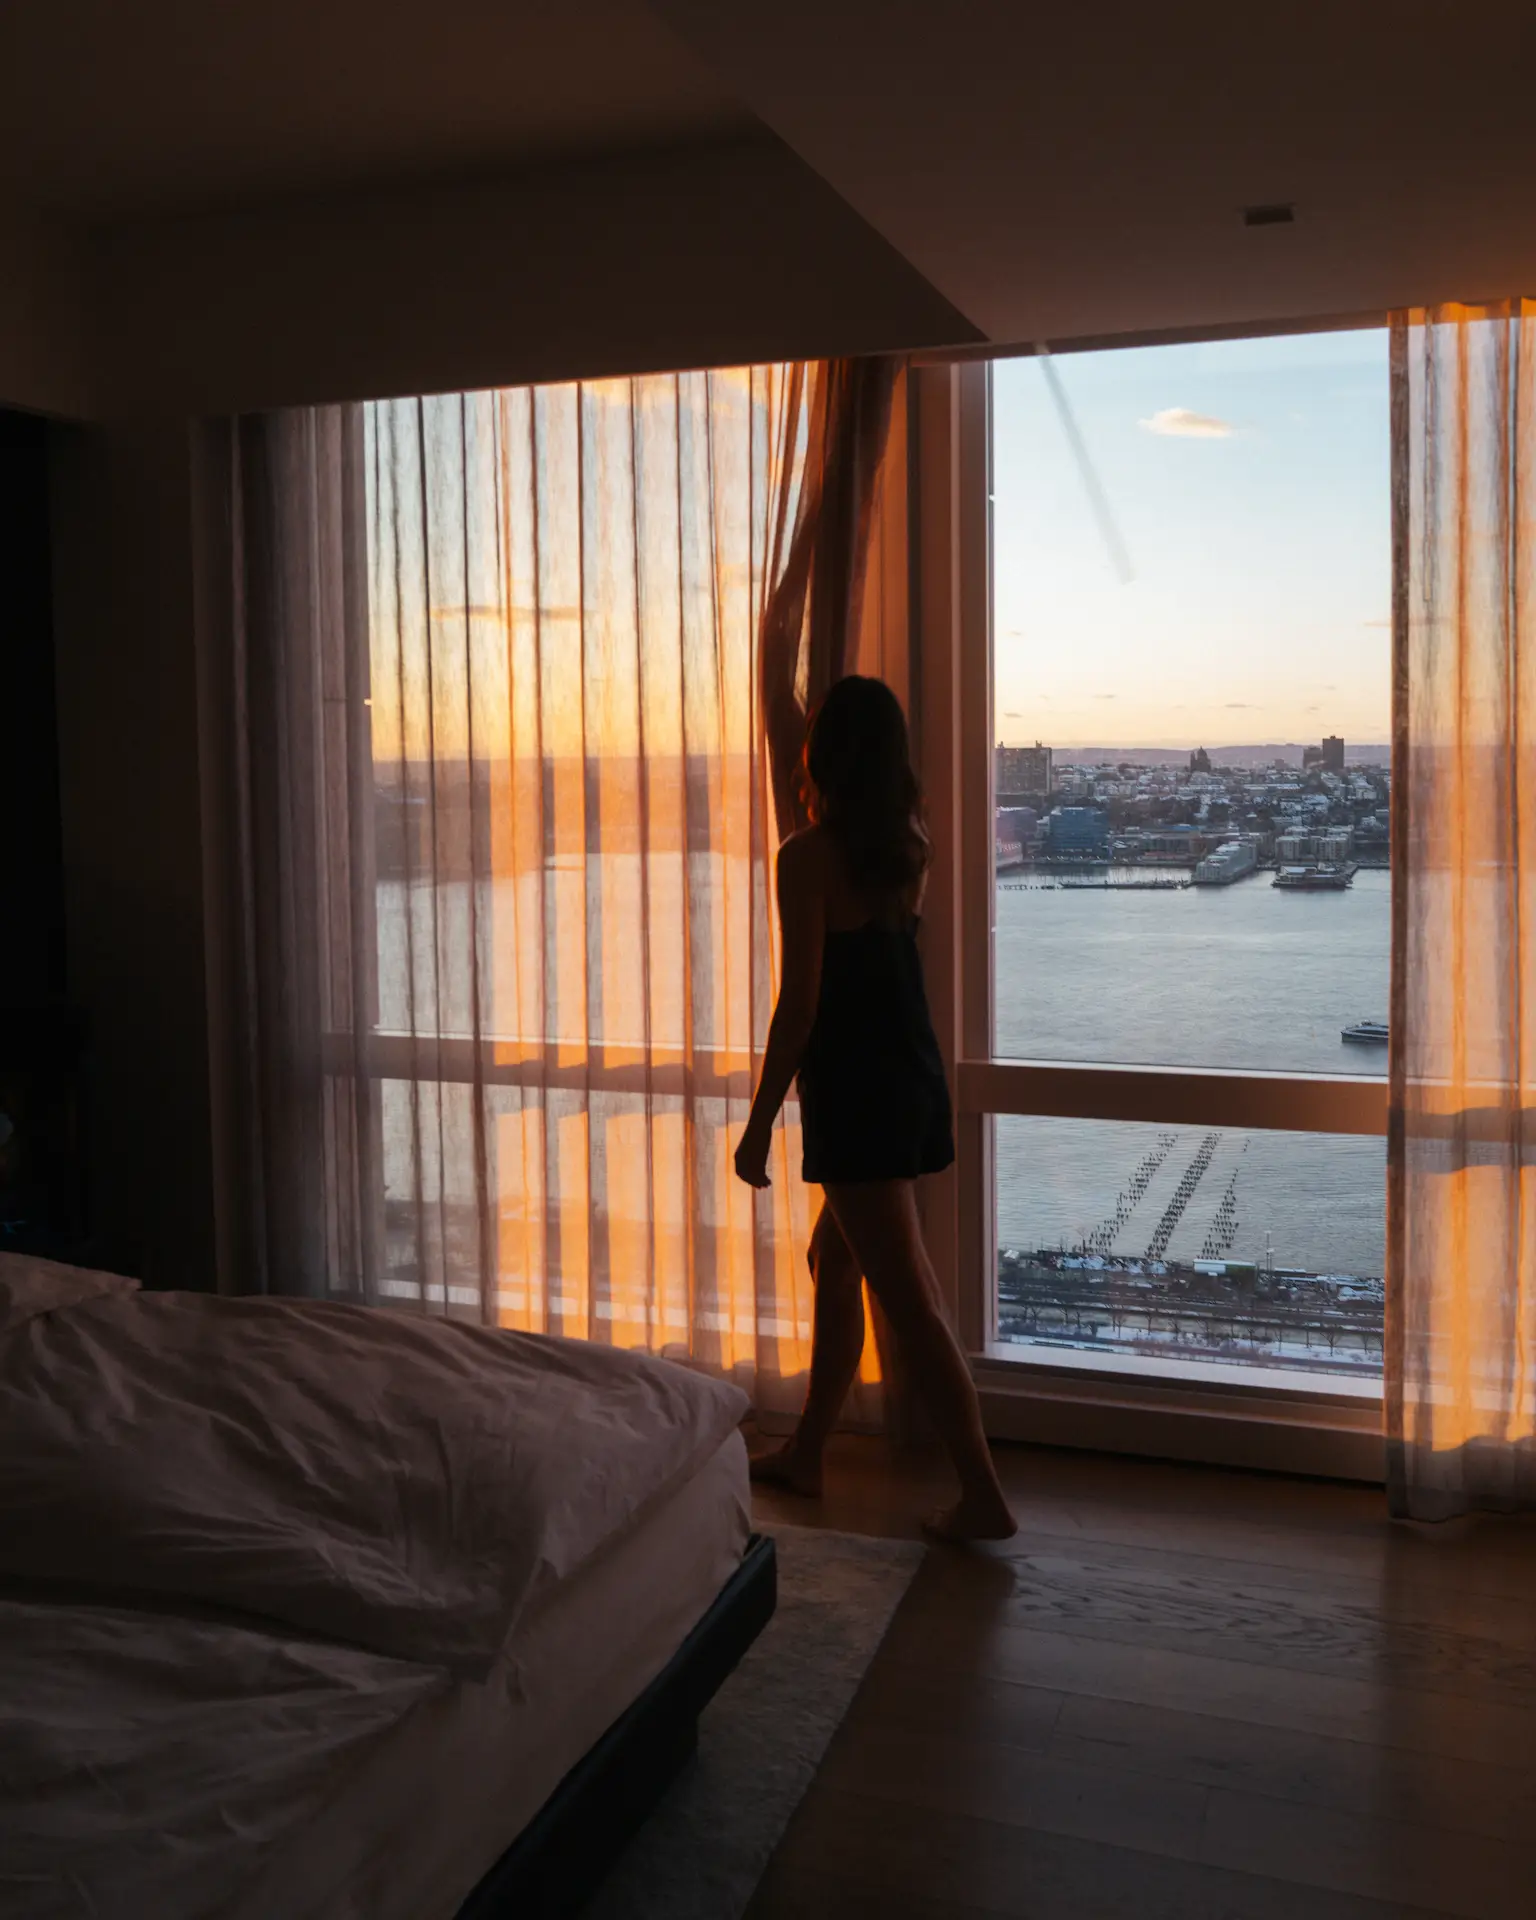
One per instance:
(124, 108)
(1064, 171)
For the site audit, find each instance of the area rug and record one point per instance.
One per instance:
(703, 1851)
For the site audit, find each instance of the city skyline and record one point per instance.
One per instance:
(1238, 753)
(1249, 483)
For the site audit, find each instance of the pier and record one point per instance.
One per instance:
(1021, 885)
(1155, 1275)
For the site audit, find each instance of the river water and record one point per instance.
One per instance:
(1248, 976)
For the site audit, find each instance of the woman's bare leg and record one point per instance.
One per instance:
(837, 1345)
(879, 1223)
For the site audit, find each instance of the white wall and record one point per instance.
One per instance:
(708, 256)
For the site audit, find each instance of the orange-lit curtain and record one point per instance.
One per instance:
(1461, 1328)
(545, 909)
(814, 629)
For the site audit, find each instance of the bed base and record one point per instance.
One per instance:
(562, 1855)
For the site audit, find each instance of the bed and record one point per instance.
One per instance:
(309, 1609)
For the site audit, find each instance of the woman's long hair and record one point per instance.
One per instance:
(861, 787)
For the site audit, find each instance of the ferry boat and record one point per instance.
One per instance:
(1366, 1033)
(1320, 879)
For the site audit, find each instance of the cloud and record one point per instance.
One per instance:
(1187, 425)
(1245, 704)
(1103, 696)
(1013, 716)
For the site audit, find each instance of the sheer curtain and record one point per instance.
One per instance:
(1461, 1332)
(506, 804)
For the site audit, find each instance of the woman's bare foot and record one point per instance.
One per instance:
(972, 1517)
(786, 1468)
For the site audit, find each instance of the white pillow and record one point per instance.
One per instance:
(31, 1286)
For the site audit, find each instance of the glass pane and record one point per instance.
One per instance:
(1191, 621)
(1199, 1246)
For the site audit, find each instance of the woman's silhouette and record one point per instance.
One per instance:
(852, 1019)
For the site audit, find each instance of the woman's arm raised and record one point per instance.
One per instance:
(802, 928)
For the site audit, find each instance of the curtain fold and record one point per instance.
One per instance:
(813, 627)
(1461, 1316)
(288, 657)
(506, 798)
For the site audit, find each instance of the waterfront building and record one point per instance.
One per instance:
(1019, 824)
(1080, 832)
(1177, 846)
(1327, 844)
(1228, 863)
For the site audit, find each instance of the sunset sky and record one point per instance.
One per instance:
(1248, 481)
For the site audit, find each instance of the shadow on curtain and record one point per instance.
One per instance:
(1461, 1314)
(504, 670)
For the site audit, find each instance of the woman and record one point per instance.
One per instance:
(852, 1019)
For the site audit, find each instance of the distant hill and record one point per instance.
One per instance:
(1369, 754)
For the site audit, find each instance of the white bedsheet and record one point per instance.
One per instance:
(401, 1484)
(160, 1768)
(437, 1800)
(147, 1762)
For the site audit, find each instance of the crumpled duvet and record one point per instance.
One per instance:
(231, 1738)
(406, 1486)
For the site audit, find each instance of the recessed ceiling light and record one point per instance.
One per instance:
(1273, 213)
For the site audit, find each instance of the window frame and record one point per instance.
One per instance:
(1271, 1422)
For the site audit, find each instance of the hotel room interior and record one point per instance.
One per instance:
(444, 452)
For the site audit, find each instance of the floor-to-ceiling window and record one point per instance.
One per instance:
(1190, 898)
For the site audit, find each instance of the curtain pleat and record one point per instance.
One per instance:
(509, 800)
(293, 768)
(1461, 1320)
(813, 629)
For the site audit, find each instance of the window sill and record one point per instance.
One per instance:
(1258, 1426)
(1197, 1379)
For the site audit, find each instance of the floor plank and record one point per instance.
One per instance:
(1005, 1784)
(1395, 1860)
(1315, 1527)
(1465, 1795)
(1158, 1601)
(1348, 1709)
(949, 1861)
(1181, 1692)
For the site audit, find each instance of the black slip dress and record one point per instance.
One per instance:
(874, 1104)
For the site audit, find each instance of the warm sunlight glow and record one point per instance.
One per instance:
(574, 723)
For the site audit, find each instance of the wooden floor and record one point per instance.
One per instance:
(1181, 1694)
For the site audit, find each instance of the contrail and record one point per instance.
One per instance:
(1119, 558)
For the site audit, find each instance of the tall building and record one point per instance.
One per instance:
(1333, 754)
(1024, 769)
(1199, 761)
